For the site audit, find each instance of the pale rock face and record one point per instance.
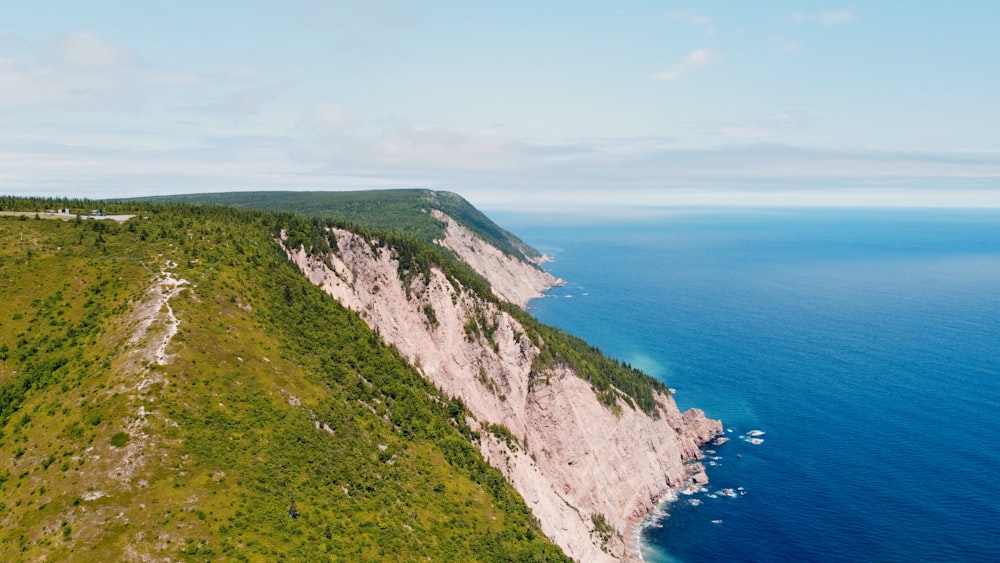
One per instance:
(576, 459)
(511, 279)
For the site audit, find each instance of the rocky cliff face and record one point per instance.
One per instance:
(586, 472)
(511, 279)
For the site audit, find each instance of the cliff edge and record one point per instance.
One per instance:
(587, 469)
(513, 280)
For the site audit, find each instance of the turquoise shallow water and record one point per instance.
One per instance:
(864, 344)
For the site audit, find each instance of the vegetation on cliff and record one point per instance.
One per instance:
(403, 212)
(281, 426)
(612, 380)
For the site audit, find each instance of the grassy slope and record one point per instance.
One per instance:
(396, 211)
(222, 455)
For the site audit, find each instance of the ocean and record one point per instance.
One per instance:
(863, 344)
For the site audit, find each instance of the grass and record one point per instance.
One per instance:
(105, 454)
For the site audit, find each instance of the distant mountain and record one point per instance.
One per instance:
(212, 382)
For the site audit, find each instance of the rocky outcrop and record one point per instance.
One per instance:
(511, 279)
(585, 472)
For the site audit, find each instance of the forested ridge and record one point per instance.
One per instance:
(400, 220)
(282, 427)
(403, 212)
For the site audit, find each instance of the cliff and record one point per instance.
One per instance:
(514, 280)
(586, 469)
(173, 389)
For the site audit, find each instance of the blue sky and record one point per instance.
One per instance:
(519, 105)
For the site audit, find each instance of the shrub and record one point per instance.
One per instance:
(119, 439)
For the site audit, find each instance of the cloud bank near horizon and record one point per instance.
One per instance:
(344, 97)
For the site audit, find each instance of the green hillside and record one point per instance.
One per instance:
(281, 428)
(398, 211)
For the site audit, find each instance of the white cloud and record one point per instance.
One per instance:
(689, 62)
(788, 46)
(494, 168)
(341, 15)
(85, 49)
(759, 128)
(229, 130)
(330, 138)
(82, 72)
(325, 114)
(691, 18)
(826, 17)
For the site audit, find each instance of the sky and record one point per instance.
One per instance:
(515, 105)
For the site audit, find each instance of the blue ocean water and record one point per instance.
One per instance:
(864, 344)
